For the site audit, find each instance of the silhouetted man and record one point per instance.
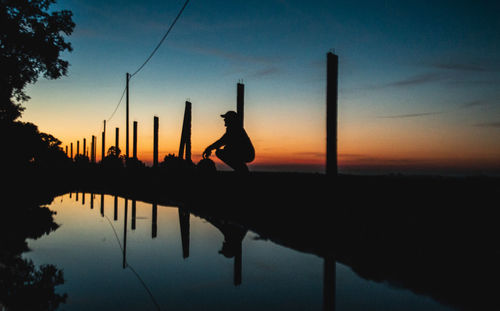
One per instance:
(238, 149)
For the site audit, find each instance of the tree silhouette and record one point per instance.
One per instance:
(31, 41)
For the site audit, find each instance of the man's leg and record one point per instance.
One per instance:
(231, 160)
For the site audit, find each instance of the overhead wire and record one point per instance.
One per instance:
(162, 39)
(151, 55)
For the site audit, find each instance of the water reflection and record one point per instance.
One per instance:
(168, 252)
(25, 285)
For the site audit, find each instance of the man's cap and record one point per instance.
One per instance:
(230, 115)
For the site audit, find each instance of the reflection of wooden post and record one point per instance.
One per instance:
(83, 198)
(237, 267)
(134, 145)
(240, 100)
(133, 214)
(102, 204)
(76, 196)
(125, 235)
(115, 217)
(155, 142)
(91, 200)
(186, 134)
(184, 225)
(155, 219)
(329, 275)
(332, 62)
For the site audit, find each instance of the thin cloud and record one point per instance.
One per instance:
(474, 103)
(410, 81)
(265, 72)
(417, 79)
(488, 124)
(411, 115)
(461, 67)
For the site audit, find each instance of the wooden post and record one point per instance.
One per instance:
(117, 135)
(84, 147)
(134, 146)
(66, 150)
(92, 150)
(240, 101)
(77, 147)
(71, 150)
(331, 113)
(155, 142)
(185, 146)
(127, 77)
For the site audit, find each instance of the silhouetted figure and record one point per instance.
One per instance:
(238, 149)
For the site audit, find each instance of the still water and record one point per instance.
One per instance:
(117, 254)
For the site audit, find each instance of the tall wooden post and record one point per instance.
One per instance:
(332, 61)
(77, 147)
(127, 77)
(84, 147)
(155, 142)
(185, 146)
(66, 150)
(117, 136)
(71, 147)
(240, 101)
(134, 146)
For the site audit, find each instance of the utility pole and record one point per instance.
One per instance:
(103, 154)
(127, 76)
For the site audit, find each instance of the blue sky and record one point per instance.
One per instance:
(409, 70)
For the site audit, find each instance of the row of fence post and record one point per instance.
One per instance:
(185, 143)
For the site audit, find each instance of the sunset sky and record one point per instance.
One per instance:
(418, 80)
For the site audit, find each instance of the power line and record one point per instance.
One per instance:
(162, 39)
(116, 108)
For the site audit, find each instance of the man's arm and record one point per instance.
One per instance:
(216, 145)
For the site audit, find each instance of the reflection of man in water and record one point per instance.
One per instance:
(238, 149)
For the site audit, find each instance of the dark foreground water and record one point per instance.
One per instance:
(139, 256)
